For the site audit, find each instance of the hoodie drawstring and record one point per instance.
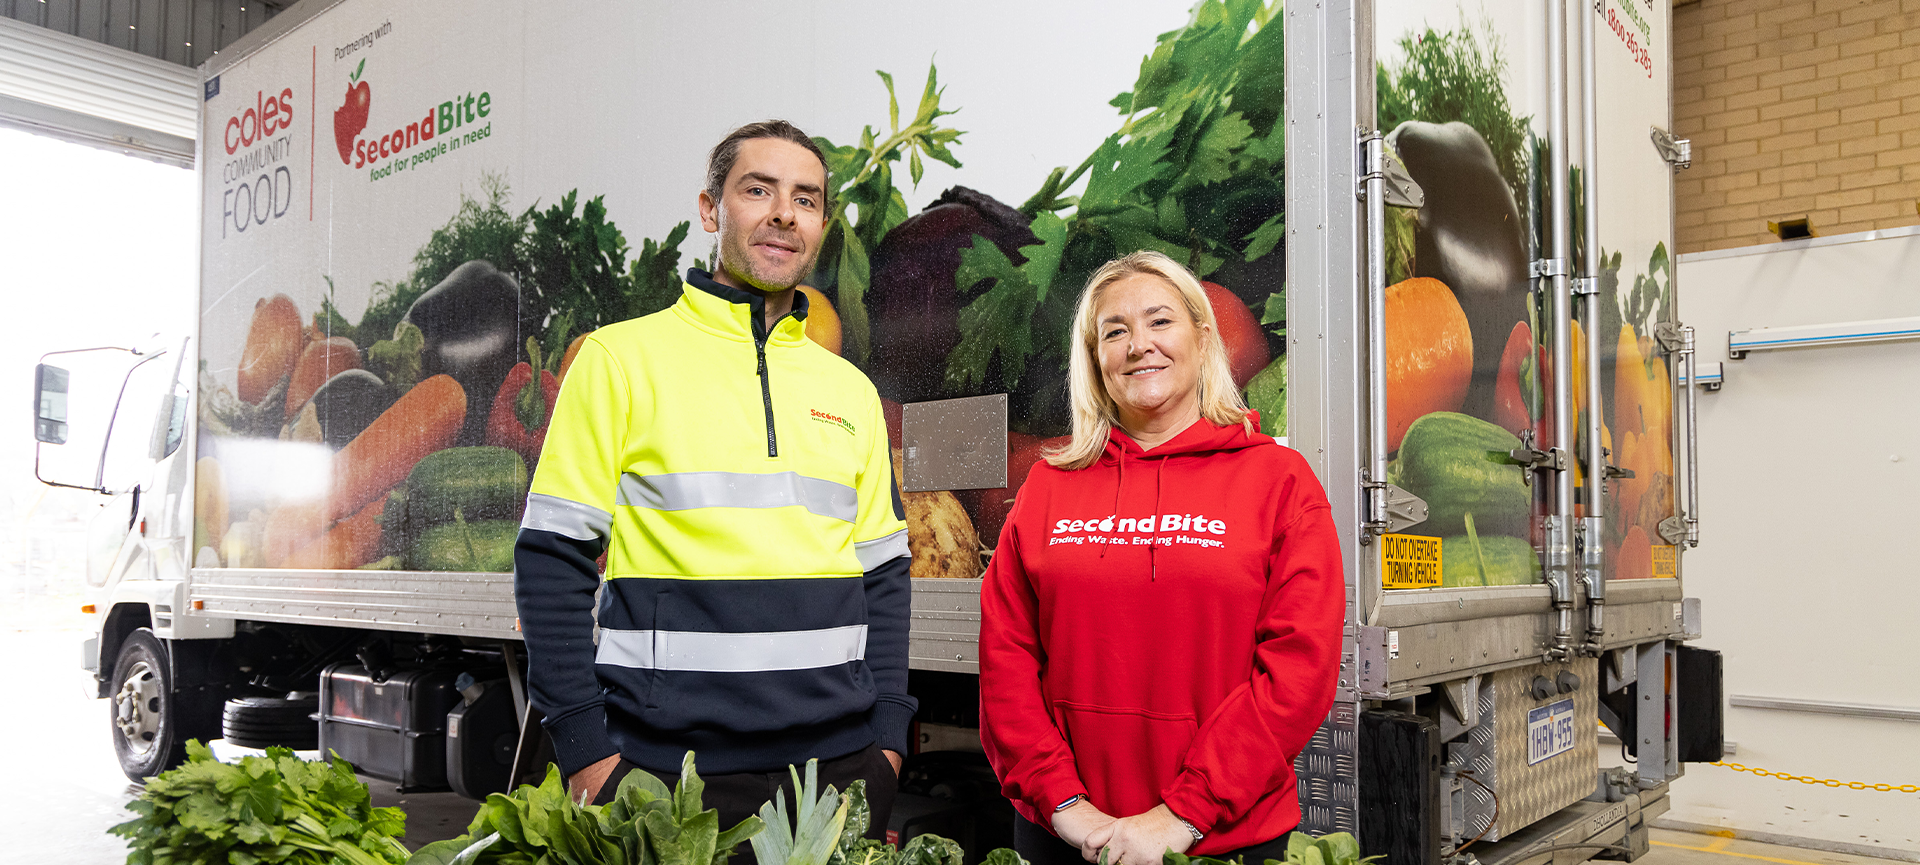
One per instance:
(1153, 540)
(1119, 486)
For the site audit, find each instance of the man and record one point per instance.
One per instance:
(738, 479)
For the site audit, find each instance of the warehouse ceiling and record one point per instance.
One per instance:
(186, 32)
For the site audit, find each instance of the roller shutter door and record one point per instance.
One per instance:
(55, 84)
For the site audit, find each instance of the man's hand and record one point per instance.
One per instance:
(1142, 839)
(587, 782)
(1080, 822)
(894, 758)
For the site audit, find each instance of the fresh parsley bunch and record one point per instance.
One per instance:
(273, 809)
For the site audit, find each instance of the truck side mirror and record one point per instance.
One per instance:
(50, 404)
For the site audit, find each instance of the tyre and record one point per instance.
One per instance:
(266, 722)
(150, 722)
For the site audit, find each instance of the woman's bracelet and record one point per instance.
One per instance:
(1196, 833)
(1069, 803)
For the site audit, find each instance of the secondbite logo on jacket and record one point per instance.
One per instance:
(833, 420)
(1148, 529)
(1144, 525)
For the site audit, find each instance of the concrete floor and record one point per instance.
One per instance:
(57, 769)
(60, 776)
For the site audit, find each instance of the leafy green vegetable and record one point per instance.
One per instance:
(1338, 848)
(645, 824)
(576, 266)
(864, 205)
(481, 228)
(1651, 297)
(397, 360)
(568, 259)
(328, 322)
(272, 809)
(1195, 171)
(1267, 394)
(1457, 75)
(654, 278)
(999, 321)
(825, 817)
(813, 835)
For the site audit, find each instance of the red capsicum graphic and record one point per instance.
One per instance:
(523, 407)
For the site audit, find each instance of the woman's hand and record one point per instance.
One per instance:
(1079, 821)
(1142, 839)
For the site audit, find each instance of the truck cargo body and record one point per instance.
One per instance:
(1452, 295)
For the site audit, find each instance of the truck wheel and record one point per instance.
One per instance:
(150, 721)
(268, 722)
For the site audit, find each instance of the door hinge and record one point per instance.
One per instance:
(1678, 152)
(1401, 189)
(1670, 335)
(1403, 508)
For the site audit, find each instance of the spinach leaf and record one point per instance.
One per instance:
(646, 824)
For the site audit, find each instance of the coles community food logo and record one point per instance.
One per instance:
(416, 139)
(255, 176)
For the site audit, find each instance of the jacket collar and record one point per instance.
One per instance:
(737, 314)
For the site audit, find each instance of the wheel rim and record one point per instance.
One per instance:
(136, 709)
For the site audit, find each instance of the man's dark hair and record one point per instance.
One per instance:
(720, 160)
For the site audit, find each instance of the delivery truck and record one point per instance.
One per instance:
(1437, 238)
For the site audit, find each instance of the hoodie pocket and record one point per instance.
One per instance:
(1125, 756)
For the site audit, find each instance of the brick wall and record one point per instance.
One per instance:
(1796, 108)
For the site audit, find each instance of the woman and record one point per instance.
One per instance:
(1160, 625)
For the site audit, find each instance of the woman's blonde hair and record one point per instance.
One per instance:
(1094, 411)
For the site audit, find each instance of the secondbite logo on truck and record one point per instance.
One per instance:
(448, 126)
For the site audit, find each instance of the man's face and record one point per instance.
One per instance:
(770, 216)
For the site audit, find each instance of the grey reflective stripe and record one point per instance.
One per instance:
(565, 517)
(879, 551)
(708, 652)
(686, 490)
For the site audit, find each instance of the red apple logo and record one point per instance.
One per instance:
(350, 118)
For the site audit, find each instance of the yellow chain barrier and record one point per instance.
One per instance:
(1828, 782)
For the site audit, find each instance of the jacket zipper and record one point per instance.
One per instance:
(766, 395)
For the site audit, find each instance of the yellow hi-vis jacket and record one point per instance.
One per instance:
(756, 595)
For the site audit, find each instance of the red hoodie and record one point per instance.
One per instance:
(1163, 627)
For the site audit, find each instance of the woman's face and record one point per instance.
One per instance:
(1149, 351)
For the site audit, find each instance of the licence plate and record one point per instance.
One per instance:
(1549, 731)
